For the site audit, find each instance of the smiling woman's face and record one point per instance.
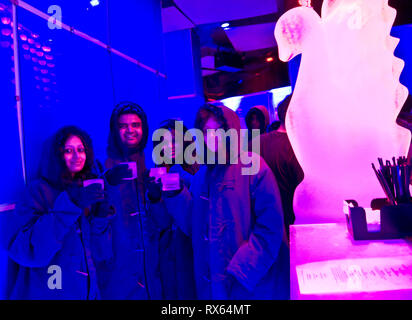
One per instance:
(74, 154)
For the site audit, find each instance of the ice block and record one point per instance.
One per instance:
(342, 115)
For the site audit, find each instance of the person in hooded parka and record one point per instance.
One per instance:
(257, 118)
(276, 149)
(235, 219)
(175, 247)
(59, 232)
(135, 273)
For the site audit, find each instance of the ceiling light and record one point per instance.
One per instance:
(94, 3)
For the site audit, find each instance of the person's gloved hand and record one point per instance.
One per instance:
(115, 175)
(173, 193)
(86, 196)
(153, 187)
(103, 209)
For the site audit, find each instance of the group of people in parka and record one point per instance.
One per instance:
(220, 236)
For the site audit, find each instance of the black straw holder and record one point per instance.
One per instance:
(395, 222)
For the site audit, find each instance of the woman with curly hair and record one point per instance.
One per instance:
(59, 232)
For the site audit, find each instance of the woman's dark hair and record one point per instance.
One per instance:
(204, 113)
(261, 117)
(274, 126)
(55, 170)
(170, 124)
(283, 108)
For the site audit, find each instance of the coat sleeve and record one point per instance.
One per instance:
(254, 257)
(160, 217)
(159, 210)
(101, 239)
(35, 232)
(101, 235)
(180, 208)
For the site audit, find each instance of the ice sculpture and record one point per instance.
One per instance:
(347, 97)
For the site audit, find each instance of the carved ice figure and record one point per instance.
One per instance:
(344, 107)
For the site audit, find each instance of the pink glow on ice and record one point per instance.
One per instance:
(345, 103)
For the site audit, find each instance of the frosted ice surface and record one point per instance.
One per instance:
(344, 107)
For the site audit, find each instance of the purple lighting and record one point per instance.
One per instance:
(6, 32)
